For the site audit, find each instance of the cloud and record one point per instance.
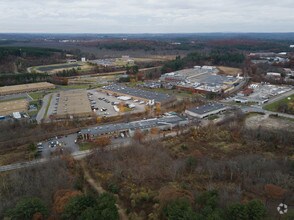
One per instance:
(133, 16)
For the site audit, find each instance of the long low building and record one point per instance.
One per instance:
(206, 110)
(23, 88)
(7, 108)
(128, 129)
(140, 94)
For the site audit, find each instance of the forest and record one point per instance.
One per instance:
(18, 59)
(214, 57)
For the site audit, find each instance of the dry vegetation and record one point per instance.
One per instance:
(41, 181)
(240, 163)
(229, 70)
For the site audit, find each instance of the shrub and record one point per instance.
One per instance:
(26, 208)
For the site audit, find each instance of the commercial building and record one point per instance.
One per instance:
(206, 110)
(245, 92)
(73, 104)
(128, 129)
(273, 74)
(23, 88)
(7, 108)
(261, 93)
(200, 80)
(139, 94)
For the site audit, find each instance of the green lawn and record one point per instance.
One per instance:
(48, 105)
(85, 146)
(32, 113)
(37, 95)
(275, 105)
(74, 87)
(212, 117)
(19, 98)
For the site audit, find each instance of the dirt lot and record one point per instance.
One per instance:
(230, 70)
(265, 121)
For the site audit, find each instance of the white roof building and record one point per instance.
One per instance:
(273, 74)
(16, 115)
(124, 98)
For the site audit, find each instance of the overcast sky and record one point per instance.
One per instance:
(146, 16)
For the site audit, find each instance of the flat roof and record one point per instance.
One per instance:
(203, 109)
(73, 102)
(25, 87)
(217, 79)
(142, 124)
(8, 107)
(157, 96)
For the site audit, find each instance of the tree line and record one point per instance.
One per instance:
(214, 57)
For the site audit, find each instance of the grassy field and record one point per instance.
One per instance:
(14, 99)
(85, 146)
(81, 66)
(37, 95)
(275, 105)
(48, 105)
(155, 58)
(74, 87)
(230, 70)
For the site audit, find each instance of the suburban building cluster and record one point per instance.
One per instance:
(269, 57)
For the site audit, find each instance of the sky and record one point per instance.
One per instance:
(145, 16)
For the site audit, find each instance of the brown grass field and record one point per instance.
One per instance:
(9, 107)
(230, 70)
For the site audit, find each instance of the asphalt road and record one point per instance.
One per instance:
(279, 97)
(65, 143)
(42, 111)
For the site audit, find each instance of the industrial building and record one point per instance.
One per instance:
(128, 129)
(201, 80)
(23, 88)
(8, 107)
(273, 74)
(260, 93)
(139, 94)
(73, 104)
(206, 110)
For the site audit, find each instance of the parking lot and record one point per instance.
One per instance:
(63, 143)
(102, 101)
(102, 104)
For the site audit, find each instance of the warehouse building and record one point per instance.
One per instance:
(24, 88)
(139, 94)
(128, 129)
(207, 110)
(200, 80)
